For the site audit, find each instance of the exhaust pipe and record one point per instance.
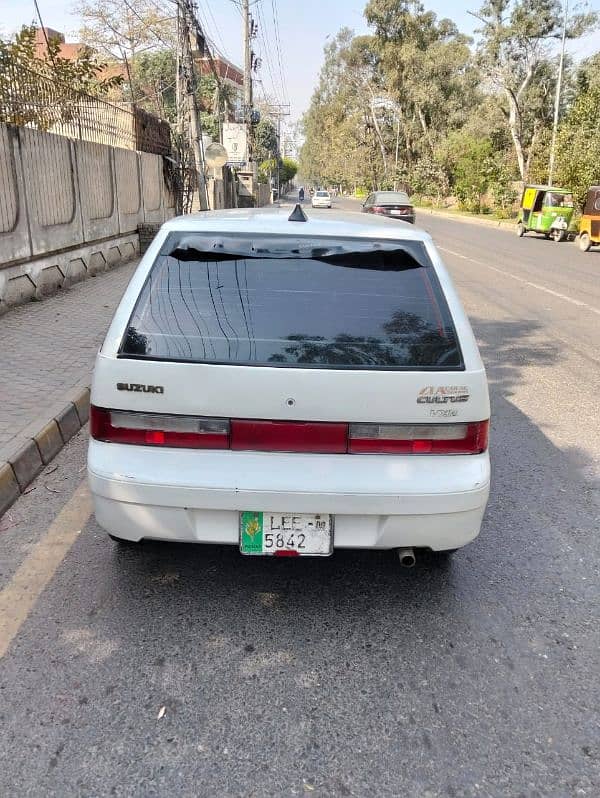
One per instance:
(407, 558)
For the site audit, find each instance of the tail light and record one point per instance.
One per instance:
(197, 432)
(289, 436)
(378, 209)
(157, 429)
(418, 438)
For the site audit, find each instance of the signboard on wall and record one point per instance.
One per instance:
(234, 141)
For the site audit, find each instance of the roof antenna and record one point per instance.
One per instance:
(298, 215)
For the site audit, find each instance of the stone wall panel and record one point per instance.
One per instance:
(14, 224)
(52, 197)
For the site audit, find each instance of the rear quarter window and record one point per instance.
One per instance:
(369, 310)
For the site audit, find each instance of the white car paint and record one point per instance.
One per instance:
(379, 501)
(321, 199)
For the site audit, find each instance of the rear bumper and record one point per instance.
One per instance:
(379, 502)
(408, 218)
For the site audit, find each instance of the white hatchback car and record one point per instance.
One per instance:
(290, 386)
(321, 199)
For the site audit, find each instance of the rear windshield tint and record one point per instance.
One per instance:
(377, 310)
(392, 196)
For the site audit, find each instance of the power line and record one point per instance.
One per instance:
(278, 43)
(168, 45)
(267, 55)
(216, 29)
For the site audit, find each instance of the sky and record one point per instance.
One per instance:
(289, 71)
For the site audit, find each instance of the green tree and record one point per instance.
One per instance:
(473, 164)
(428, 177)
(24, 75)
(289, 170)
(341, 139)
(427, 69)
(124, 30)
(265, 140)
(81, 74)
(578, 144)
(514, 57)
(155, 74)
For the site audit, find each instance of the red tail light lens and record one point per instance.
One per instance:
(196, 432)
(378, 209)
(157, 429)
(289, 436)
(418, 438)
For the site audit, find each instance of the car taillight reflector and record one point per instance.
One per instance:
(418, 438)
(378, 209)
(318, 437)
(158, 429)
(289, 436)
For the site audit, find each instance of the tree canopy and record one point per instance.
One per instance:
(416, 104)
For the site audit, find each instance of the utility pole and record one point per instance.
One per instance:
(557, 97)
(247, 36)
(187, 22)
(279, 111)
(397, 148)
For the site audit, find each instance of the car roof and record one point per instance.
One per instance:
(274, 221)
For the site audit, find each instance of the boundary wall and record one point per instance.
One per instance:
(70, 209)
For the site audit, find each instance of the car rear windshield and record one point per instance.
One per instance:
(322, 193)
(392, 196)
(326, 307)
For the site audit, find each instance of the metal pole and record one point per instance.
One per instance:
(247, 78)
(179, 72)
(557, 97)
(194, 113)
(279, 157)
(397, 146)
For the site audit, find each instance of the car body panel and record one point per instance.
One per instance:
(321, 199)
(392, 204)
(196, 495)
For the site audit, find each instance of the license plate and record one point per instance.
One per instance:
(397, 213)
(302, 534)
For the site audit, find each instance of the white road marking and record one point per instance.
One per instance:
(525, 282)
(20, 595)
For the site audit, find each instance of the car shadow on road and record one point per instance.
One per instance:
(508, 348)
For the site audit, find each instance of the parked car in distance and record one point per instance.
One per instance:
(321, 199)
(395, 204)
(589, 225)
(291, 386)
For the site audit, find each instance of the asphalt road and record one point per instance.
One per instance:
(346, 676)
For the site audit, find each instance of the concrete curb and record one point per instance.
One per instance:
(501, 224)
(39, 443)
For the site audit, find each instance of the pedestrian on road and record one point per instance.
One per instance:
(301, 194)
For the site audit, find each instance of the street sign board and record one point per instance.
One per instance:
(215, 155)
(234, 141)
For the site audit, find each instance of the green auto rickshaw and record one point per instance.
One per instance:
(547, 210)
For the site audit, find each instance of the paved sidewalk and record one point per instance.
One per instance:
(48, 348)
